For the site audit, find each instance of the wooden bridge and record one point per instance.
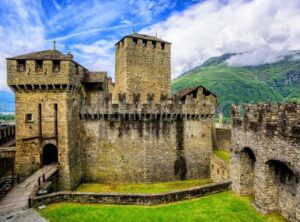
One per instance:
(18, 197)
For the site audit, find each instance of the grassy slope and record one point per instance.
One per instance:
(142, 188)
(266, 83)
(222, 155)
(225, 207)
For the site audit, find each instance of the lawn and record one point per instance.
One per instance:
(142, 188)
(222, 155)
(224, 207)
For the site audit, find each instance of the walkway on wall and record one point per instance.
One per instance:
(17, 197)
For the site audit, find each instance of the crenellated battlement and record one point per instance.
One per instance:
(282, 120)
(169, 108)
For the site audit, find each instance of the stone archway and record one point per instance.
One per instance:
(283, 181)
(247, 171)
(50, 154)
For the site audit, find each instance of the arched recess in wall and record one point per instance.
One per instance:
(283, 182)
(50, 154)
(247, 170)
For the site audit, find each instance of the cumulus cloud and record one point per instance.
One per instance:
(265, 29)
(27, 26)
(21, 31)
(96, 56)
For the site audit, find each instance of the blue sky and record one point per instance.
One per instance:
(265, 29)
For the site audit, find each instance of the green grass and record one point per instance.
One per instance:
(142, 188)
(222, 155)
(225, 207)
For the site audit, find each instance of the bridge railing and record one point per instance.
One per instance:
(7, 133)
(6, 183)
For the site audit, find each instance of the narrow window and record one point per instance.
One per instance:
(144, 43)
(162, 46)
(39, 65)
(56, 66)
(76, 69)
(21, 65)
(28, 117)
(134, 42)
(153, 44)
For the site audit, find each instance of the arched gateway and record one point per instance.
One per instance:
(50, 154)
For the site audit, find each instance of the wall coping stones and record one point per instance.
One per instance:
(131, 199)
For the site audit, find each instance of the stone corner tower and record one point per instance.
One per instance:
(46, 86)
(143, 66)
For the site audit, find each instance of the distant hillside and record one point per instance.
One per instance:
(7, 101)
(274, 82)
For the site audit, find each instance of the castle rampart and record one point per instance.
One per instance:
(148, 142)
(265, 156)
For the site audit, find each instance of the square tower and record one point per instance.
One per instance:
(142, 67)
(47, 88)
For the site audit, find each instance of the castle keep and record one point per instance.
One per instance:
(132, 131)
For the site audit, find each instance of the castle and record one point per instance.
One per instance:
(133, 131)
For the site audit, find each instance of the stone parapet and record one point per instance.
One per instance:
(281, 120)
(138, 199)
(169, 109)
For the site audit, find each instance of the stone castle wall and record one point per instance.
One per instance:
(223, 139)
(219, 169)
(132, 199)
(139, 151)
(265, 156)
(138, 143)
(44, 79)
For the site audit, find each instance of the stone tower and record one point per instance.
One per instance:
(142, 67)
(47, 86)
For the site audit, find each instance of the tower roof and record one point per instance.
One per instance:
(193, 90)
(142, 36)
(51, 54)
(46, 54)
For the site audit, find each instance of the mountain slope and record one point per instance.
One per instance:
(275, 82)
(7, 101)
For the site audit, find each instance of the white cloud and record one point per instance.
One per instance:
(259, 56)
(98, 56)
(266, 29)
(21, 31)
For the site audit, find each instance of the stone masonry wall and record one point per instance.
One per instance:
(150, 142)
(265, 156)
(140, 151)
(223, 139)
(219, 169)
(31, 78)
(29, 141)
(138, 199)
(142, 69)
